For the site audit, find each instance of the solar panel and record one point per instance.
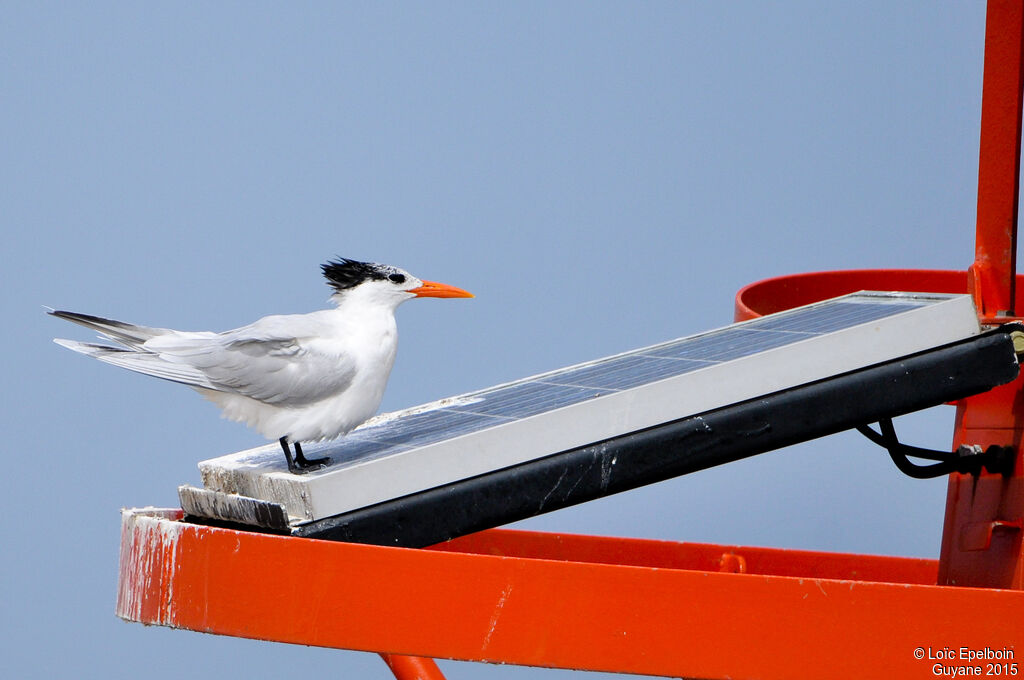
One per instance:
(474, 434)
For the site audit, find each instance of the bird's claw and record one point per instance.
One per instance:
(300, 465)
(303, 465)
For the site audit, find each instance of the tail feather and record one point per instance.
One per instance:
(127, 334)
(131, 353)
(140, 361)
(89, 348)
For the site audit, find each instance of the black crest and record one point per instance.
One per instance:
(345, 274)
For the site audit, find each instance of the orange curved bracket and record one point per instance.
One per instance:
(626, 605)
(794, 290)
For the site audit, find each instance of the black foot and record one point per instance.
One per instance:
(308, 463)
(300, 464)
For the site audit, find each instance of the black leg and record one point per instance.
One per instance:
(287, 453)
(300, 463)
(305, 463)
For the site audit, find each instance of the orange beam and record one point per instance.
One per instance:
(471, 600)
(694, 556)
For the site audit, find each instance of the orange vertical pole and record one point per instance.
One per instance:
(993, 273)
(981, 542)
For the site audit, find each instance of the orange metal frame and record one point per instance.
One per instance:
(653, 607)
(656, 607)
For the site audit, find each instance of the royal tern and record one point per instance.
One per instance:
(294, 378)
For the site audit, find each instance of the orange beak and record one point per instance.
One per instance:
(439, 290)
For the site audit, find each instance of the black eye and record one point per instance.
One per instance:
(397, 278)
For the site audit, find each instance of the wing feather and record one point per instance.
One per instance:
(279, 370)
(272, 360)
(140, 362)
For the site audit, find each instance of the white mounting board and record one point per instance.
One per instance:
(401, 453)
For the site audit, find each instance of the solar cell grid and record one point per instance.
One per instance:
(420, 429)
(833, 316)
(520, 400)
(623, 372)
(725, 345)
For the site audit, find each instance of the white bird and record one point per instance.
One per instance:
(294, 378)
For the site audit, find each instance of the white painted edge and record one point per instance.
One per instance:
(146, 534)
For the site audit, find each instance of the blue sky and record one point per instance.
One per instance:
(602, 175)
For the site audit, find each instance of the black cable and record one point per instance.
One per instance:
(966, 460)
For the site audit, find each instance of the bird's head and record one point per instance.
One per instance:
(381, 283)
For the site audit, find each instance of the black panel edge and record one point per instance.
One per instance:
(727, 434)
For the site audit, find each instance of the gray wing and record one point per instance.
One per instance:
(268, 360)
(277, 370)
